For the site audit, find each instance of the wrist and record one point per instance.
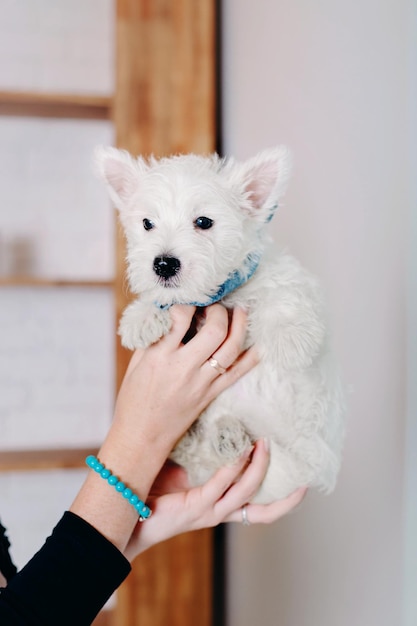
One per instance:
(120, 487)
(136, 461)
(136, 464)
(99, 505)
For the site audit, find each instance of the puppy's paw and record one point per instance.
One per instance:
(141, 325)
(229, 438)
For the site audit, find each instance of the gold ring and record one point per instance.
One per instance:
(214, 363)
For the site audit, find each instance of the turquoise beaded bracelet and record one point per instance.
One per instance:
(142, 509)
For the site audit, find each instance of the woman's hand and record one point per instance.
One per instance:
(164, 390)
(169, 384)
(178, 508)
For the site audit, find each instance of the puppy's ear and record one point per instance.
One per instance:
(120, 171)
(264, 179)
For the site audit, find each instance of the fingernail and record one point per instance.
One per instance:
(267, 444)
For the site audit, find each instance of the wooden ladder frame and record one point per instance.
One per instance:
(165, 103)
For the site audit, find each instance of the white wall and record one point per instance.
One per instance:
(410, 543)
(57, 46)
(56, 344)
(331, 79)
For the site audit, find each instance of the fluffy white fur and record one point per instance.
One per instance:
(293, 397)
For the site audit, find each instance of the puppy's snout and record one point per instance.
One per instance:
(166, 266)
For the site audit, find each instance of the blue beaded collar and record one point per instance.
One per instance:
(236, 279)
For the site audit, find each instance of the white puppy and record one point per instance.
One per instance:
(195, 231)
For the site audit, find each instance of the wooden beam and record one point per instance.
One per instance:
(165, 90)
(170, 585)
(27, 104)
(56, 458)
(34, 281)
(164, 104)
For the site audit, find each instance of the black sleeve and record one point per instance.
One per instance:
(7, 567)
(68, 581)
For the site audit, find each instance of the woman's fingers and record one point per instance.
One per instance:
(243, 364)
(181, 317)
(219, 337)
(209, 337)
(230, 349)
(268, 513)
(215, 488)
(228, 507)
(246, 487)
(222, 497)
(216, 348)
(231, 486)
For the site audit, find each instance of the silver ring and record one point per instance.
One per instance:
(245, 520)
(214, 363)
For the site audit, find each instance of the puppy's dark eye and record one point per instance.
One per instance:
(203, 222)
(147, 224)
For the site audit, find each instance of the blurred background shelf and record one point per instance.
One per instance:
(31, 104)
(33, 281)
(57, 458)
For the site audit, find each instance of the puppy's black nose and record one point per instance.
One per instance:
(166, 266)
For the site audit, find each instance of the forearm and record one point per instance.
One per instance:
(87, 544)
(136, 464)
